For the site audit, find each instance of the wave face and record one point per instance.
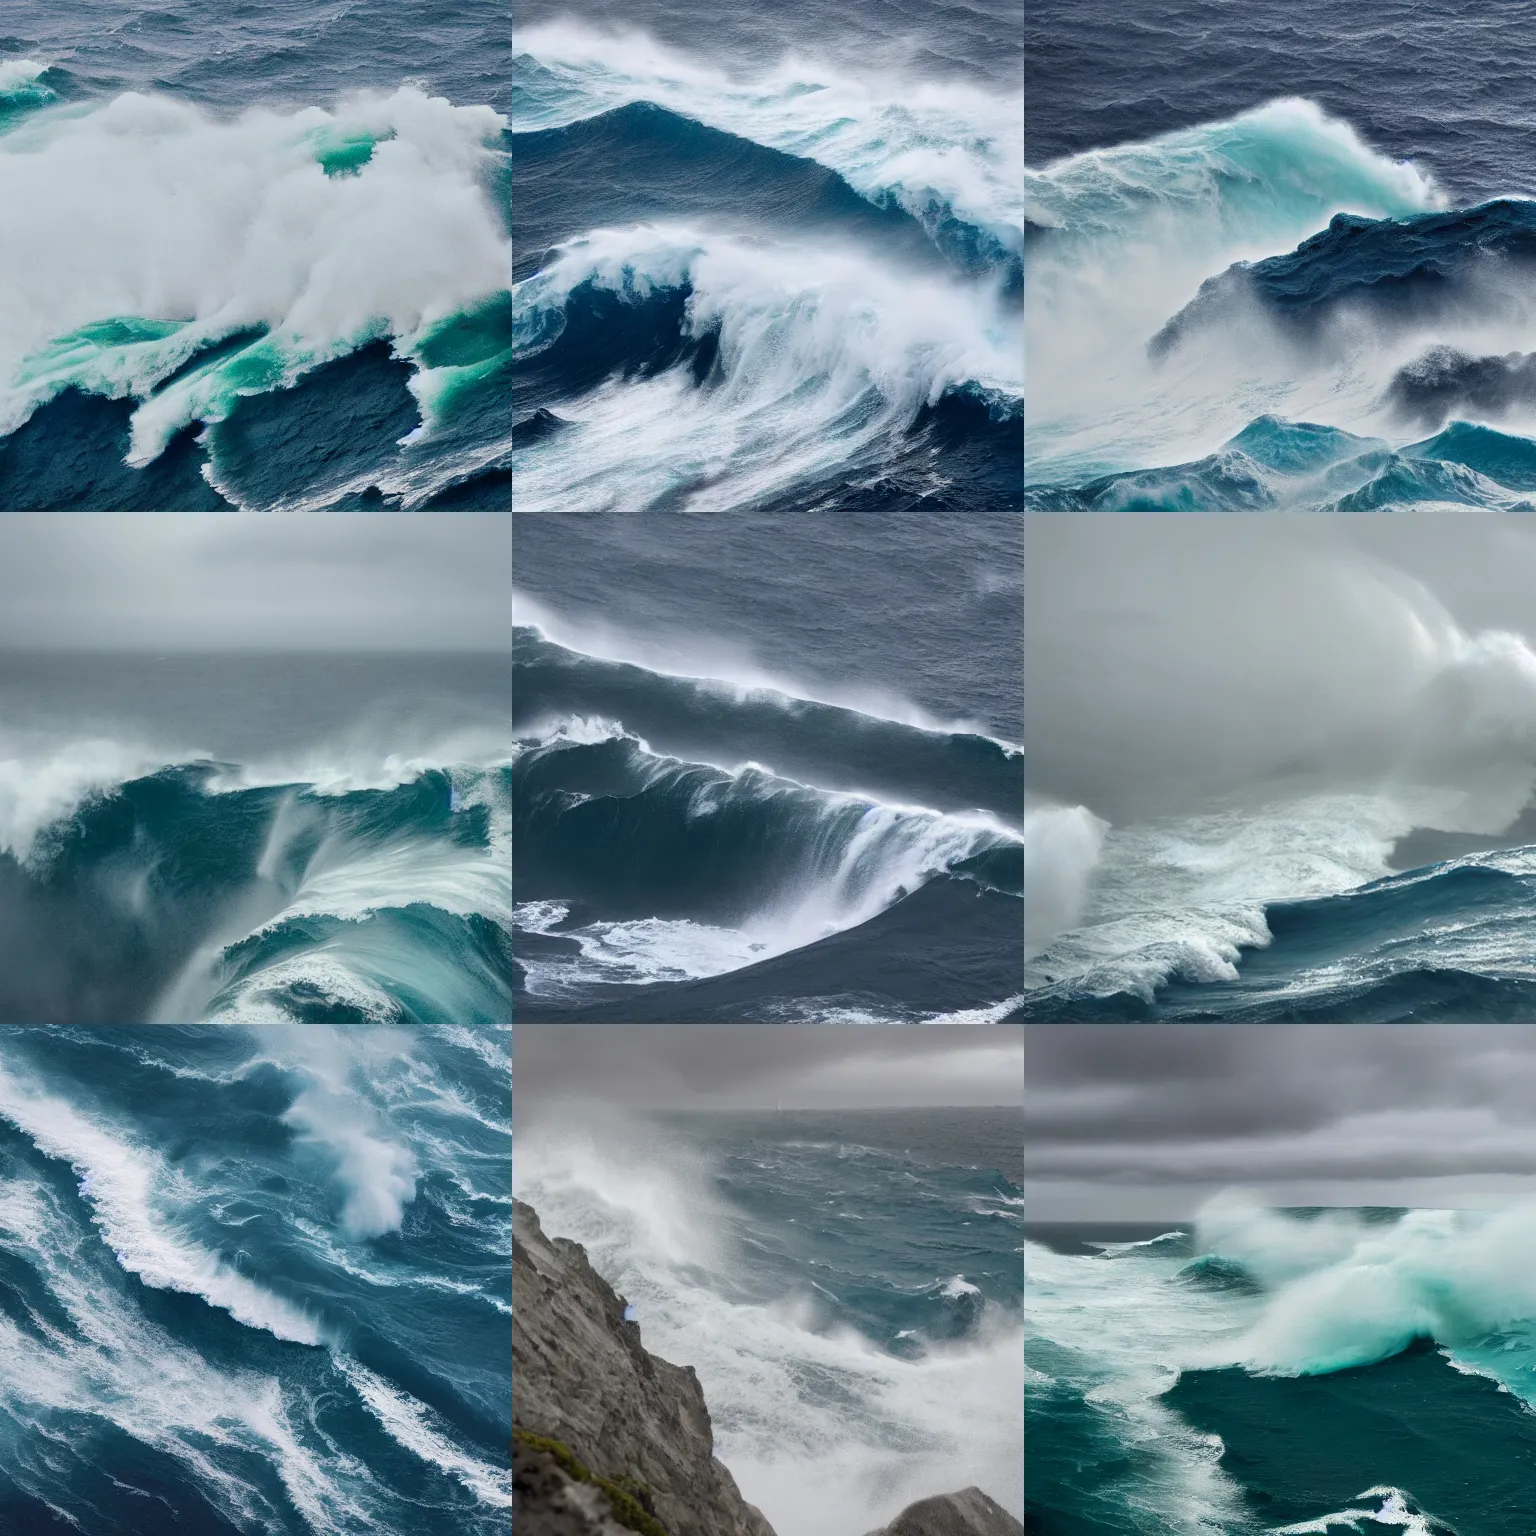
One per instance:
(795, 290)
(1199, 270)
(214, 302)
(855, 1355)
(255, 1279)
(874, 871)
(1280, 1362)
(191, 893)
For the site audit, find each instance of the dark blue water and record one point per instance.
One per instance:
(848, 1286)
(1217, 1378)
(307, 838)
(774, 266)
(767, 768)
(1305, 213)
(254, 1280)
(258, 256)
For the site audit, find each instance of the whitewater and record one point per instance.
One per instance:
(195, 266)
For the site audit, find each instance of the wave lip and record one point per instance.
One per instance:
(949, 154)
(702, 371)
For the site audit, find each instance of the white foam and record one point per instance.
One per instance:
(148, 209)
(417, 1428)
(377, 1174)
(921, 140)
(827, 358)
(48, 781)
(123, 1184)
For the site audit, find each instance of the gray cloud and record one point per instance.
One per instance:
(757, 1066)
(1173, 658)
(1127, 1119)
(364, 581)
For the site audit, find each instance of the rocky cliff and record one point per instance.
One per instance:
(599, 1421)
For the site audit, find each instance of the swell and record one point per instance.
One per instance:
(945, 154)
(642, 162)
(179, 895)
(1450, 942)
(832, 746)
(637, 834)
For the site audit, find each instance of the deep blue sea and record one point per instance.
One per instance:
(254, 1279)
(1263, 1371)
(256, 838)
(254, 255)
(767, 767)
(848, 1286)
(774, 263)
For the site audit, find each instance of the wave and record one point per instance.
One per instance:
(633, 866)
(1271, 265)
(159, 264)
(702, 371)
(1306, 466)
(947, 153)
(951, 768)
(185, 892)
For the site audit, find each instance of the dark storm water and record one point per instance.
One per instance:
(767, 768)
(777, 266)
(301, 837)
(254, 1279)
(847, 1284)
(1281, 259)
(1136, 1423)
(379, 234)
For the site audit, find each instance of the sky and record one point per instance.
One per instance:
(1137, 1122)
(393, 581)
(1174, 659)
(726, 1067)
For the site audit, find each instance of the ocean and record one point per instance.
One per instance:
(1280, 261)
(1280, 258)
(847, 1284)
(767, 768)
(254, 1279)
(776, 264)
(1282, 1371)
(261, 256)
(255, 838)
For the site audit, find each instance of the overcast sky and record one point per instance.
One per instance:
(213, 581)
(1172, 658)
(725, 1067)
(1145, 1122)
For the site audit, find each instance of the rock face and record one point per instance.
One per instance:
(581, 1377)
(967, 1513)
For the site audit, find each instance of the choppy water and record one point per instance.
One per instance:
(254, 1279)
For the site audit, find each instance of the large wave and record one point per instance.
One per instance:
(949, 153)
(674, 367)
(187, 264)
(199, 890)
(1271, 265)
(1131, 1344)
